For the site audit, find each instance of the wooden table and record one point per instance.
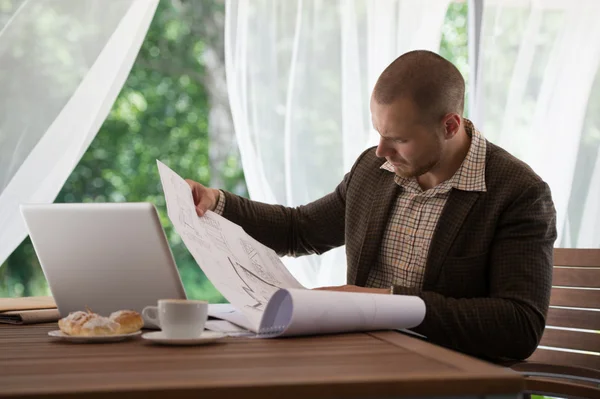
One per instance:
(380, 364)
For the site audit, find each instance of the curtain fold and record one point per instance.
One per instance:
(299, 76)
(539, 98)
(63, 65)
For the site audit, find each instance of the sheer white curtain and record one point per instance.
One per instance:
(539, 97)
(299, 75)
(63, 62)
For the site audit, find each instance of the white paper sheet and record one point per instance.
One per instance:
(265, 298)
(246, 272)
(305, 312)
(228, 328)
(228, 312)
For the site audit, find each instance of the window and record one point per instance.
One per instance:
(173, 107)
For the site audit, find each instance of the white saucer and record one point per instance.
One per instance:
(207, 337)
(96, 338)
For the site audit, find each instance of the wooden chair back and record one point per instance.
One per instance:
(574, 304)
(573, 323)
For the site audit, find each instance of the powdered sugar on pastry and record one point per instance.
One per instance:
(71, 325)
(76, 316)
(101, 322)
(118, 313)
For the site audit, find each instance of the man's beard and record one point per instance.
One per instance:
(415, 171)
(411, 170)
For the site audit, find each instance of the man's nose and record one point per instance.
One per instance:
(382, 149)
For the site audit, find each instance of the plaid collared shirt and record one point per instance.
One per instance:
(405, 246)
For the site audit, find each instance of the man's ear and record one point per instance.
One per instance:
(452, 123)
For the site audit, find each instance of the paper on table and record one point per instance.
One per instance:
(228, 328)
(28, 310)
(246, 272)
(27, 303)
(33, 316)
(228, 312)
(303, 312)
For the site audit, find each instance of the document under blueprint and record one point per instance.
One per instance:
(265, 297)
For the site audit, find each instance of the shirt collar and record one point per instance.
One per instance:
(471, 174)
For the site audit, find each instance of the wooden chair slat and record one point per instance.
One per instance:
(584, 341)
(577, 257)
(576, 277)
(534, 367)
(577, 298)
(561, 388)
(566, 358)
(570, 318)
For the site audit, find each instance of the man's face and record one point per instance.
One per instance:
(412, 146)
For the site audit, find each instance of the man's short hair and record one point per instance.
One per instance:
(433, 83)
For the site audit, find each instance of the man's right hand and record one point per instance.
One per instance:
(205, 198)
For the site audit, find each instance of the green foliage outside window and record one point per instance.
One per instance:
(161, 113)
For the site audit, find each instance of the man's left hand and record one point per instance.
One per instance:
(355, 288)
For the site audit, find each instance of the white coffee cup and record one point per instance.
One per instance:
(178, 318)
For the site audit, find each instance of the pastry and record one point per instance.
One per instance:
(71, 324)
(129, 321)
(99, 325)
(87, 324)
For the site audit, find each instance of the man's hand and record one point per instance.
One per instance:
(355, 288)
(205, 198)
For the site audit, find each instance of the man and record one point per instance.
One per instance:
(435, 211)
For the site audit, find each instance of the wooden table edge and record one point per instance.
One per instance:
(452, 358)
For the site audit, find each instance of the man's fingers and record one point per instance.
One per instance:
(198, 191)
(339, 288)
(195, 191)
(343, 288)
(201, 207)
(203, 204)
(194, 186)
(200, 197)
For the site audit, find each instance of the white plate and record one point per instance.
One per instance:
(92, 339)
(207, 337)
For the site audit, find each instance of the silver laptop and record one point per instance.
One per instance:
(104, 256)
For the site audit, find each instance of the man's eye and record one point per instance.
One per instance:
(398, 141)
